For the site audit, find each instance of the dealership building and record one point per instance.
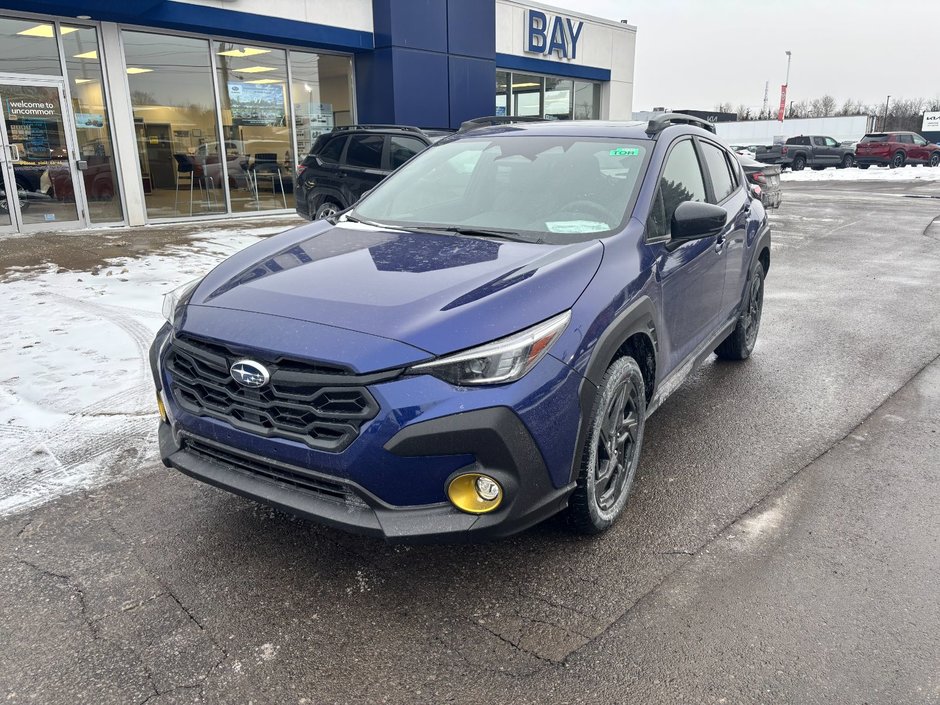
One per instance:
(145, 111)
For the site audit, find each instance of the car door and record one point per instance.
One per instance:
(727, 189)
(919, 151)
(691, 274)
(363, 166)
(834, 151)
(820, 152)
(907, 146)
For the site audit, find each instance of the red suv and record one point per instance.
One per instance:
(895, 149)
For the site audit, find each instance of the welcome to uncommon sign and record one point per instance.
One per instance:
(556, 35)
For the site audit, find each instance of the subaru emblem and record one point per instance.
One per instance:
(249, 373)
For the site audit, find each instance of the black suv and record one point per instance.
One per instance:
(350, 160)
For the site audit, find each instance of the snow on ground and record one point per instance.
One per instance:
(77, 405)
(874, 173)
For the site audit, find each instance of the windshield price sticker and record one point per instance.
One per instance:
(625, 152)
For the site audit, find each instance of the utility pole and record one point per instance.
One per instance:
(884, 123)
(763, 110)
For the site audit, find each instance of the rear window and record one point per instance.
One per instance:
(875, 138)
(365, 151)
(798, 140)
(332, 150)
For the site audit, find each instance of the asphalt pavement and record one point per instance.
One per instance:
(781, 545)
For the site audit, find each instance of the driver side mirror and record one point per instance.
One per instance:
(694, 220)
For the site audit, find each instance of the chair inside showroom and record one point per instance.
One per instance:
(265, 166)
(188, 169)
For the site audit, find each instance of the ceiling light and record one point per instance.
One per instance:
(526, 85)
(264, 81)
(45, 30)
(80, 81)
(134, 69)
(242, 53)
(82, 17)
(256, 69)
(93, 54)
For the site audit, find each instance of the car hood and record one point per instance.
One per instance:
(435, 292)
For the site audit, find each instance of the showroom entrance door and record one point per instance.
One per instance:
(40, 186)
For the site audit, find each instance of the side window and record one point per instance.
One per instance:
(918, 140)
(681, 181)
(365, 151)
(718, 170)
(831, 142)
(401, 149)
(905, 139)
(332, 150)
(819, 141)
(734, 168)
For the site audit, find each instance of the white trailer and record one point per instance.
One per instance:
(768, 132)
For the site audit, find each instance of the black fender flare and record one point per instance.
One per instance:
(638, 317)
(761, 243)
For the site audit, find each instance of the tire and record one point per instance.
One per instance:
(798, 163)
(611, 458)
(848, 161)
(898, 160)
(935, 159)
(740, 343)
(326, 209)
(864, 166)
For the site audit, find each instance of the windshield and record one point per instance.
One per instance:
(532, 187)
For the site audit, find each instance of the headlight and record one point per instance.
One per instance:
(503, 360)
(174, 299)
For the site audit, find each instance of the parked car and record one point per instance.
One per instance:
(478, 343)
(816, 151)
(347, 162)
(766, 177)
(895, 149)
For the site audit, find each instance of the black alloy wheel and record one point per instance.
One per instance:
(898, 160)
(935, 159)
(611, 453)
(798, 163)
(741, 341)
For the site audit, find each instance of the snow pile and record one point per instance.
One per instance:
(77, 402)
(872, 173)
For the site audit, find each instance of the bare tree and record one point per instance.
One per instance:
(822, 107)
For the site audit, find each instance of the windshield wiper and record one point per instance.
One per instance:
(470, 230)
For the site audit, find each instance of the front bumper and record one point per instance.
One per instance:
(504, 449)
(391, 480)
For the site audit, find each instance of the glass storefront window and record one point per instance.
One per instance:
(92, 125)
(502, 93)
(172, 95)
(526, 94)
(587, 100)
(321, 95)
(547, 96)
(29, 46)
(255, 126)
(558, 98)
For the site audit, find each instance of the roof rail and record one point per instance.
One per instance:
(661, 122)
(490, 120)
(403, 128)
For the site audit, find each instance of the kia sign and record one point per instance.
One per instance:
(552, 35)
(931, 122)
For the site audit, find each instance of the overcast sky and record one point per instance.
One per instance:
(695, 54)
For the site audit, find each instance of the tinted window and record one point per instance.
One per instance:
(718, 170)
(332, 150)
(919, 140)
(365, 151)
(905, 139)
(875, 138)
(799, 140)
(819, 141)
(401, 149)
(681, 181)
(734, 168)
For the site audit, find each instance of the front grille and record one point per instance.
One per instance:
(321, 406)
(290, 475)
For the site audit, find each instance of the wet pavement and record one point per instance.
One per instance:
(780, 546)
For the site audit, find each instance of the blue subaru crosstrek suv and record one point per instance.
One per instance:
(475, 345)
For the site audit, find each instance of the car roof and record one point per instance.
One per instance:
(634, 130)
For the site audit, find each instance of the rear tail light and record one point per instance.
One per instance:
(784, 150)
(758, 178)
(301, 168)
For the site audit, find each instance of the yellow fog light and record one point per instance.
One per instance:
(475, 493)
(161, 408)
